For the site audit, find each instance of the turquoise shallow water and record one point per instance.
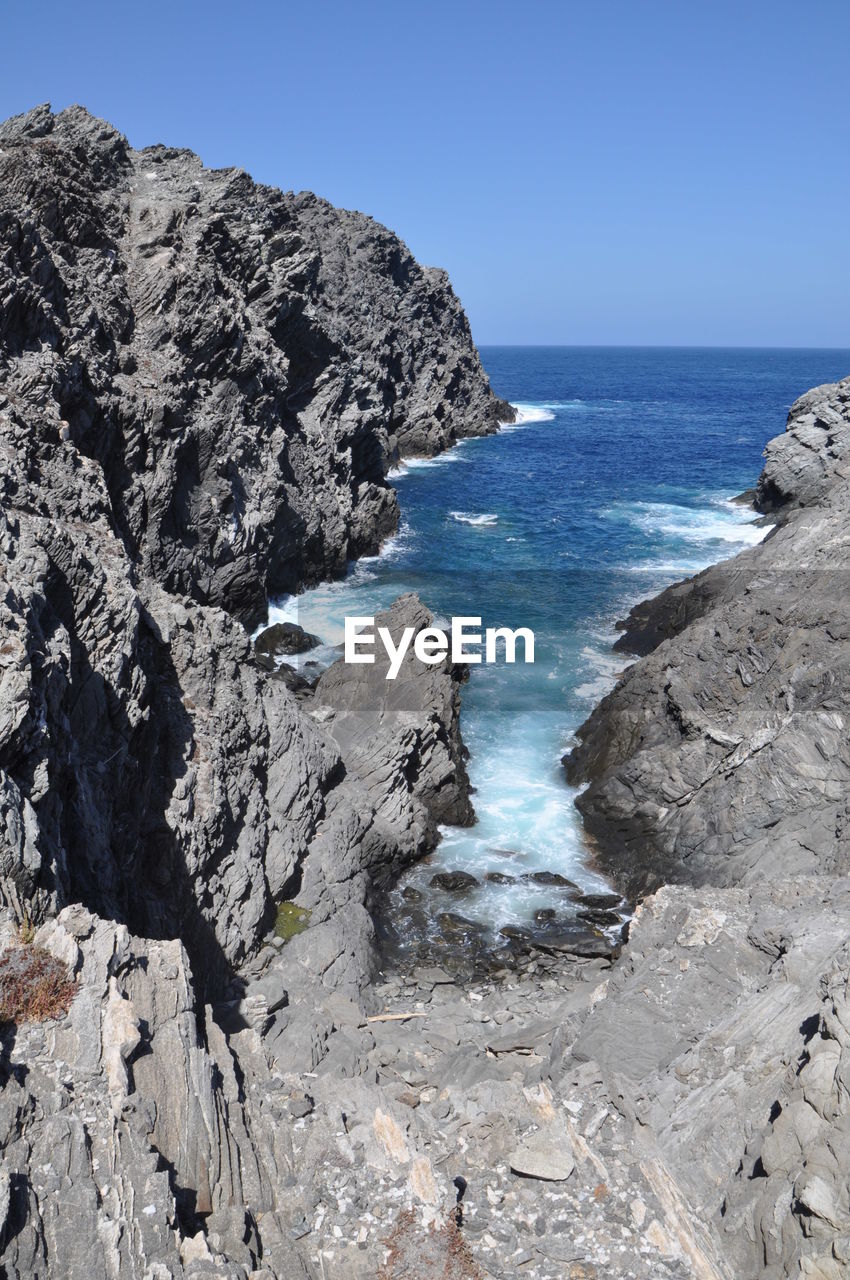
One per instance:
(615, 482)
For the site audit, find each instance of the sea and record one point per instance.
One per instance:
(617, 478)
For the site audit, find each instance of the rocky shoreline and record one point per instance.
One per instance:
(203, 383)
(720, 756)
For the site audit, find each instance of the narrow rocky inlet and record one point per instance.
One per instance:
(208, 1067)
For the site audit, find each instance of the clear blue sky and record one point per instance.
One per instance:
(589, 171)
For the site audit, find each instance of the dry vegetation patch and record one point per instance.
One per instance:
(438, 1253)
(34, 985)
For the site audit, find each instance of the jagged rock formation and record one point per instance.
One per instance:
(721, 757)
(202, 383)
(715, 1148)
(241, 363)
(732, 1004)
(133, 1144)
(165, 1121)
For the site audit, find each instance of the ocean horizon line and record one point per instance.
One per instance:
(649, 346)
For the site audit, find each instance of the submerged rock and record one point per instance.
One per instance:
(499, 877)
(597, 901)
(603, 919)
(456, 928)
(454, 881)
(515, 932)
(550, 878)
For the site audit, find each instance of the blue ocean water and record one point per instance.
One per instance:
(616, 481)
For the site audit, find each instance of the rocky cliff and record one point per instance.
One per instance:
(240, 363)
(202, 384)
(721, 757)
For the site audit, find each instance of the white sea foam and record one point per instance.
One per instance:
(391, 549)
(719, 520)
(284, 610)
(321, 610)
(683, 567)
(527, 413)
(544, 410)
(710, 532)
(604, 669)
(711, 525)
(467, 517)
(439, 460)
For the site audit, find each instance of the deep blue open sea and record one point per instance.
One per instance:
(616, 481)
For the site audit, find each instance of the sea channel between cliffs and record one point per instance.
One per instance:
(203, 385)
(612, 482)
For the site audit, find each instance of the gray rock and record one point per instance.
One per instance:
(203, 384)
(721, 1039)
(98, 1106)
(284, 638)
(433, 976)
(453, 881)
(391, 730)
(597, 901)
(719, 758)
(546, 1155)
(528, 1035)
(458, 928)
(550, 878)
(577, 942)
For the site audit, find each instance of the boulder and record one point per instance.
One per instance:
(283, 640)
(546, 1155)
(454, 881)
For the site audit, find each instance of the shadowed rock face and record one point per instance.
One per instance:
(721, 757)
(202, 383)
